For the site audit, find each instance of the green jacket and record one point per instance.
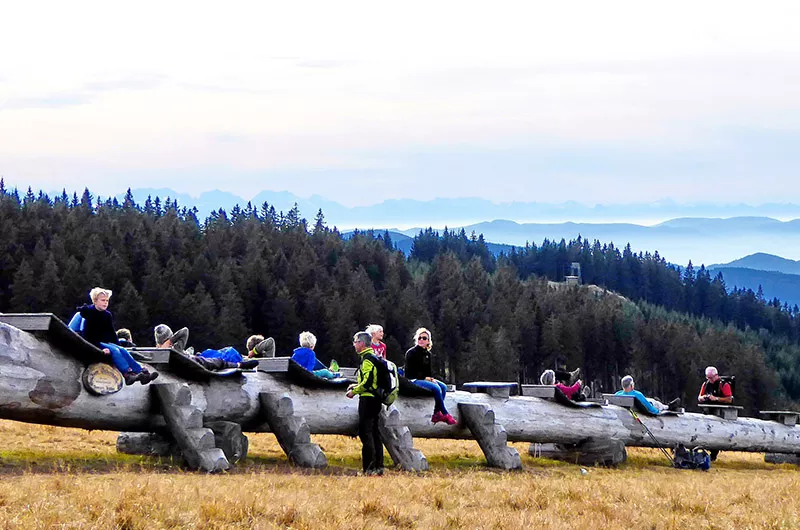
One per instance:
(367, 376)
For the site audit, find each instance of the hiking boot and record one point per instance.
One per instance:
(675, 404)
(144, 377)
(437, 417)
(449, 419)
(374, 472)
(130, 378)
(248, 364)
(574, 375)
(266, 348)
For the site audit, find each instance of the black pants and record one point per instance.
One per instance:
(369, 411)
(212, 363)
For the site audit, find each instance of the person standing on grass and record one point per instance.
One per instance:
(376, 331)
(369, 407)
(99, 331)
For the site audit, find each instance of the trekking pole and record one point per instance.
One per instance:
(636, 417)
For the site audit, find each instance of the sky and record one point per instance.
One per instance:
(596, 102)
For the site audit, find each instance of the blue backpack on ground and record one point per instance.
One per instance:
(697, 458)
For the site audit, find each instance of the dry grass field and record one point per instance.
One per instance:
(63, 478)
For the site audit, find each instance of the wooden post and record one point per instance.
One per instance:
(185, 423)
(490, 435)
(399, 442)
(292, 431)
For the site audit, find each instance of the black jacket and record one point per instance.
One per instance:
(418, 363)
(99, 325)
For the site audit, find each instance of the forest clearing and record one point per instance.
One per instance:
(55, 477)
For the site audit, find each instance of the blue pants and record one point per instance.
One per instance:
(439, 390)
(121, 358)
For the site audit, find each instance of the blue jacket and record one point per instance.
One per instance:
(306, 358)
(228, 353)
(640, 397)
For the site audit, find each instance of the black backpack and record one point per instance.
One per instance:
(697, 458)
(388, 383)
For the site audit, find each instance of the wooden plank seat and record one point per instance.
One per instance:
(726, 412)
(303, 377)
(630, 402)
(620, 401)
(552, 393)
(154, 356)
(787, 417)
(493, 388)
(274, 364)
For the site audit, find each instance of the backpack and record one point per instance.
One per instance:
(697, 458)
(388, 383)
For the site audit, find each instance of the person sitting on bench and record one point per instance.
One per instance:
(652, 405)
(548, 377)
(714, 389)
(177, 341)
(99, 330)
(305, 357)
(418, 370)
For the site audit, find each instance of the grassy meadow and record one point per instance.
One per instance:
(53, 477)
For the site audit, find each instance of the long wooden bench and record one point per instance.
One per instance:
(494, 389)
(787, 417)
(726, 412)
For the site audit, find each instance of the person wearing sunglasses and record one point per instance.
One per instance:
(418, 370)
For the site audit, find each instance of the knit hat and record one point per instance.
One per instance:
(162, 334)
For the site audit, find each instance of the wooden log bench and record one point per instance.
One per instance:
(787, 417)
(726, 412)
(494, 389)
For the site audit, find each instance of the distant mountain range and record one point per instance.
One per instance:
(763, 262)
(699, 239)
(439, 212)
(778, 277)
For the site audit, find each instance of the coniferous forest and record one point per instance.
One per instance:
(255, 270)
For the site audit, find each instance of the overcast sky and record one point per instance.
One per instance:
(597, 102)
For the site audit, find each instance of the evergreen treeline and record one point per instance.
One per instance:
(258, 270)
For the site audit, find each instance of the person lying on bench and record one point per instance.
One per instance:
(652, 405)
(208, 359)
(258, 346)
(305, 357)
(548, 377)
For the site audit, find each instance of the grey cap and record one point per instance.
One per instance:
(162, 334)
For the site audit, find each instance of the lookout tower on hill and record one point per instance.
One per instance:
(574, 275)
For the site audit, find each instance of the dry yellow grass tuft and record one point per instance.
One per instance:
(65, 478)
